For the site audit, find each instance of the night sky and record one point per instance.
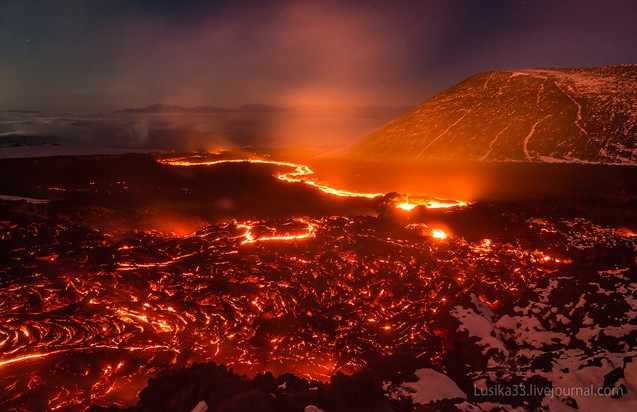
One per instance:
(97, 55)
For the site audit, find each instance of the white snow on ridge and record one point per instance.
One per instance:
(584, 116)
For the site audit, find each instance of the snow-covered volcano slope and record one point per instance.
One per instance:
(546, 115)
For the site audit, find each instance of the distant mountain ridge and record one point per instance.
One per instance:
(344, 110)
(538, 115)
(167, 108)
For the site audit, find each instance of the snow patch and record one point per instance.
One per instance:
(202, 406)
(432, 386)
(479, 327)
(312, 408)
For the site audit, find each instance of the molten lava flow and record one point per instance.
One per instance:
(107, 314)
(406, 206)
(252, 238)
(439, 234)
(411, 204)
(26, 357)
(434, 204)
(301, 173)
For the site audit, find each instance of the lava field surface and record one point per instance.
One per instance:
(88, 316)
(278, 279)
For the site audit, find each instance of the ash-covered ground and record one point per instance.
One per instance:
(515, 305)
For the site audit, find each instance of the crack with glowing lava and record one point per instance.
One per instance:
(301, 173)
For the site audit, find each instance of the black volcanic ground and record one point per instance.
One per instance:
(110, 285)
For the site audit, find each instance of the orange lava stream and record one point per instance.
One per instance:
(406, 206)
(430, 204)
(251, 238)
(301, 173)
(439, 234)
(41, 355)
(5, 362)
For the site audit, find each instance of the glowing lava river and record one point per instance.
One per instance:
(302, 174)
(86, 317)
